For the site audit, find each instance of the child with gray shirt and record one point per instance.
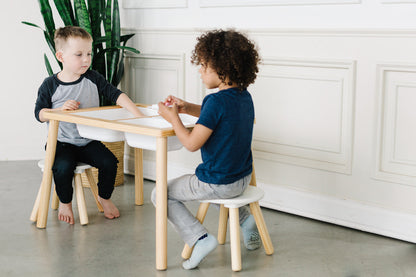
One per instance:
(74, 87)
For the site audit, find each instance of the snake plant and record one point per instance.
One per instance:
(94, 16)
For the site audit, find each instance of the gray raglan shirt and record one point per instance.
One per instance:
(87, 90)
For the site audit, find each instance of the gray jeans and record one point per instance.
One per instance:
(190, 188)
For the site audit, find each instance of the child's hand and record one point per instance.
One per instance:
(171, 100)
(70, 105)
(168, 113)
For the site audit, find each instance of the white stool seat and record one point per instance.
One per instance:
(250, 195)
(80, 168)
(230, 207)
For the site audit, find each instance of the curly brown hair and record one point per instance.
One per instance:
(230, 53)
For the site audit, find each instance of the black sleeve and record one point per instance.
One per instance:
(106, 89)
(44, 99)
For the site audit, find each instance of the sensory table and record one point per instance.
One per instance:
(112, 124)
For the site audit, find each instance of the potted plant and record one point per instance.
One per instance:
(101, 18)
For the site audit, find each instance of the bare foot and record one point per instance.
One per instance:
(65, 213)
(110, 210)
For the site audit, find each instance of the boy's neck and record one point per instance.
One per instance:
(223, 86)
(67, 77)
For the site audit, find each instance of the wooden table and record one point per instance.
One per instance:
(40, 210)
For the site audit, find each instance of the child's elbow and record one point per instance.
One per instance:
(192, 147)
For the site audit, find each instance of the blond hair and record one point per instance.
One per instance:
(64, 33)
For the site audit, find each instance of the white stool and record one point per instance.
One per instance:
(250, 196)
(82, 209)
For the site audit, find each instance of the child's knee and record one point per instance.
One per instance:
(109, 164)
(63, 169)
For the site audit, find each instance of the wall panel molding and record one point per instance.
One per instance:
(315, 115)
(243, 3)
(398, 1)
(396, 135)
(290, 32)
(154, 4)
(146, 69)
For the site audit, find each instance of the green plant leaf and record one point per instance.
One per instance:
(32, 24)
(64, 11)
(107, 22)
(46, 12)
(131, 49)
(120, 72)
(99, 64)
(127, 48)
(100, 40)
(50, 42)
(94, 9)
(82, 14)
(47, 65)
(107, 30)
(115, 28)
(115, 55)
(125, 38)
(71, 12)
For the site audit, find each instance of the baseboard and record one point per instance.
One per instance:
(342, 212)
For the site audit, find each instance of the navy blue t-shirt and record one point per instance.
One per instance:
(226, 155)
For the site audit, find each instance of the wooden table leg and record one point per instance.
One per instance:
(161, 203)
(45, 190)
(138, 176)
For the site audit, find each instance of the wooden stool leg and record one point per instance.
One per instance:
(54, 205)
(253, 181)
(34, 214)
(55, 200)
(138, 176)
(235, 240)
(82, 209)
(222, 224)
(94, 188)
(261, 226)
(200, 215)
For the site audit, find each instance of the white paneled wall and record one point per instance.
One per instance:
(335, 119)
(306, 112)
(396, 135)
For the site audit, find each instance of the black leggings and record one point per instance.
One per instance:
(95, 154)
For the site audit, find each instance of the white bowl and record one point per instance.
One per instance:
(149, 142)
(110, 114)
(134, 140)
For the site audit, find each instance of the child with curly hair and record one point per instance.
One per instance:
(228, 61)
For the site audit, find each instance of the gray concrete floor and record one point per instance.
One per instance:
(125, 246)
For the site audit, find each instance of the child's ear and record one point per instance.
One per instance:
(58, 55)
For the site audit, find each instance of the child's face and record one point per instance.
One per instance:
(75, 55)
(209, 76)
